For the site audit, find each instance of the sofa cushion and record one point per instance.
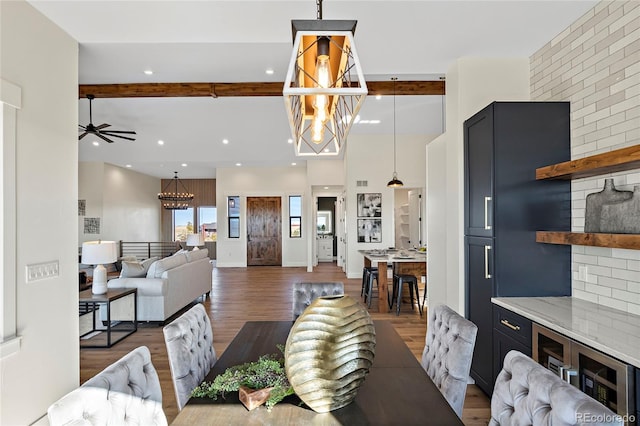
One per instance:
(136, 269)
(132, 270)
(158, 267)
(197, 254)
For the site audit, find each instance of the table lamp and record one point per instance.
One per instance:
(195, 240)
(98, 253)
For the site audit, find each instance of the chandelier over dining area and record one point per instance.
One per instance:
(324, 87)
(174, 195)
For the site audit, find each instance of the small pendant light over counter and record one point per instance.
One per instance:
(394, 182)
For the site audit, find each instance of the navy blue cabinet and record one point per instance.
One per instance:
(504, 143)
(510, 332)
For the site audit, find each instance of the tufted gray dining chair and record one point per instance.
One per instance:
(527, 393)
(305, 293)
(448, 352)
(126, 392)
(189, 341)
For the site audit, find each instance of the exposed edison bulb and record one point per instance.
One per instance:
(323, 80)
(317, 130)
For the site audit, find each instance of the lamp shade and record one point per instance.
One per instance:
(99, 252)
(195, 240)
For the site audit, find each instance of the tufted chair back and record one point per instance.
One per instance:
(189, 341)
(305, 293)
(125, 393)
(448, 352)
(526, 393)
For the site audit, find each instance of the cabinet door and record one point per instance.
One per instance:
(502, 344)
(479, 289)
(478, 184)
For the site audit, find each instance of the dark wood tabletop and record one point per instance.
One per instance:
(397, 391)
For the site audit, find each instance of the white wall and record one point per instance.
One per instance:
(126, 202)
(602, 82)
(42, 60)
(471, 84)
(325, 172)
(436, 216)
(260, 182)
(370, 158)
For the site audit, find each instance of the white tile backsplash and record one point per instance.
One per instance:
(595, 64)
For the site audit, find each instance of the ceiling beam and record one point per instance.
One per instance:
(185, 90)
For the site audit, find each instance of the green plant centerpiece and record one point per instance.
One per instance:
(267, 373)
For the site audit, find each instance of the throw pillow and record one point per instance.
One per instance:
(132, 270)
(197, 254)
(148, 262)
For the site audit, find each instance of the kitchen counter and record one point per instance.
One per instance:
(611, 331)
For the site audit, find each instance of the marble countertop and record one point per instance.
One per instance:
(611, 331)
(394, 255)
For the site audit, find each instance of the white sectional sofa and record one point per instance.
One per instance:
(169, 285)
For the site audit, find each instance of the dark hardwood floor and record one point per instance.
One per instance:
(264, 293)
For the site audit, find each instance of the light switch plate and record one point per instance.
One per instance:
(40, 271)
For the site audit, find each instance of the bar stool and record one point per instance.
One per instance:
(365, 278)
(412, 282)
(373, 275)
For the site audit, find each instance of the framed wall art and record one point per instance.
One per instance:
(370, 204)
(369, 230)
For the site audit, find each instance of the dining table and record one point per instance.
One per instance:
(396, 389)
(413, 262)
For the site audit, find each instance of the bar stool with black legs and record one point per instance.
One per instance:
(365, 278)
(412, 282)
(373, 275)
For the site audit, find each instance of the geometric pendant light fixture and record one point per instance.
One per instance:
(324, 87)
(174, 195)
(394, 182)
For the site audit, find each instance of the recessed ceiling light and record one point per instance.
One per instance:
(269, 71)
(148, 72)
(326, 187)
(128, 166)
(160, 142)
(293, 164)
(225, 141)
(184, 164)
(289, 140)
(238, 164)
(96, 143)
(378, 97)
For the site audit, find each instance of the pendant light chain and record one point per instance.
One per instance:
(395, 172)
(318, 9)
(394, 182)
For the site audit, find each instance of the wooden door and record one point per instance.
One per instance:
(264, 235)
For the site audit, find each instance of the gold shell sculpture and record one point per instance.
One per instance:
(329, 351)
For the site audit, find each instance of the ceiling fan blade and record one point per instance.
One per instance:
(119, 136)
(131, 132)
(82, 127)
(83, 135)
(104, 138)
(102, 126)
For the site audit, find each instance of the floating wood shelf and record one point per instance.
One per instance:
(608, 162)
(626, 241)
